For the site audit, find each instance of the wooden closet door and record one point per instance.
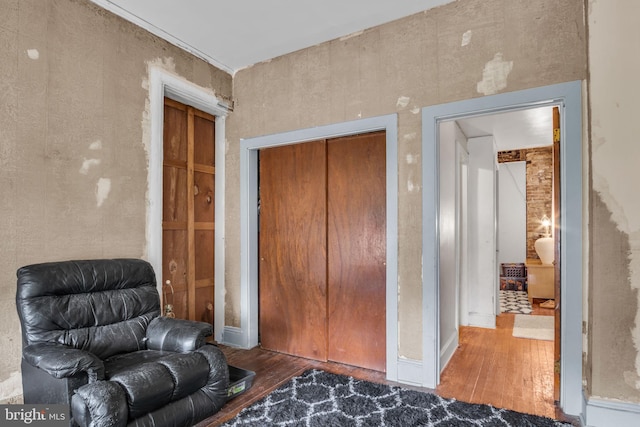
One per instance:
(292, 247)
(202, 296)
(188, 211)
(356, 251)
(175, 234)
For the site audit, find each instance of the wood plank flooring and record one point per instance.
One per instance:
(274, 369)
(490, 366)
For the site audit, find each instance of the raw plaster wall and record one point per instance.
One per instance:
(74, 139)
(459, 51)
(613, 363)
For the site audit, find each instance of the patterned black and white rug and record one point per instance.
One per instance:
(514, 302)
(318, 398)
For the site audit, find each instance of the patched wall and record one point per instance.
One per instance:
(73, 138)
(613, 361)
(463, 50)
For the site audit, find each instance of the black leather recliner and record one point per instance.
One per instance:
(93, 338)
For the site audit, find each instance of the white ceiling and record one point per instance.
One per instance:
(513, 130)
(236, 34)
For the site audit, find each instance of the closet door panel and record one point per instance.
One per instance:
(175, 216)
(188, 211)
(292, 249)
(356, 235)
(204, 202)
(203, 233)
(204, 272)
(204, 152)
(174, 266)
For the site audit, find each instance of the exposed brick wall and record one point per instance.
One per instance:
(539, 193)
(539, 189)
(512, 156)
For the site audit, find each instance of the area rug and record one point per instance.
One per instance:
(318, 398)
(515, 302)
(534, 327)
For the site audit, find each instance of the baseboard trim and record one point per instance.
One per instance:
(410, 372)
(446, 353)
(482, 320)
(598, 412)
(233, 337)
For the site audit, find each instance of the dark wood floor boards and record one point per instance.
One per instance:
(490, 366)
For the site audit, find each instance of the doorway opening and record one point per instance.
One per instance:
(567, 97)
(487, 259)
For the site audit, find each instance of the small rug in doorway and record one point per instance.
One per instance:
(318, 398)
(534, 327)
(515, 302)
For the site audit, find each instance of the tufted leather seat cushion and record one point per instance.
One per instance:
(174, 376)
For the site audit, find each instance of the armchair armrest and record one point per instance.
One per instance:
(168, 334)
(61, 361)
(102, 403)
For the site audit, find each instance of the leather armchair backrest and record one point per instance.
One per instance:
(101, 306)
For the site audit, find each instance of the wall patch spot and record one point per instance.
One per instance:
(33, 54)
(416, 110)
(410, 136)
(403, 101)
(412, 159)
(87, 164)
(103, 187)
(494, 75)
(466, 38)
(411, 187)
(96, 145)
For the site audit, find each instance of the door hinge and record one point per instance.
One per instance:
(556, 135)
(556, 367)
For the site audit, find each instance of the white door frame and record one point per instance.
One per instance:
(163, 83)
(568, 97)
(246, 336)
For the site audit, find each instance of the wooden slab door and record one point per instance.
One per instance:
(188, 212)
(556, 252)
(357, 250)
(323, 250)
(292, 248)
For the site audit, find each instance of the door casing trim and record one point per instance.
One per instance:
(246, 335)
(165, 84)
(568, 97)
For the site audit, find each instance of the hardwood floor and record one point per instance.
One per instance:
(490, 366)
(274, 369)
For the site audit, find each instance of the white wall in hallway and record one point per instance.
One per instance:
(482, 232)
(512, 212)
(447, 229)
